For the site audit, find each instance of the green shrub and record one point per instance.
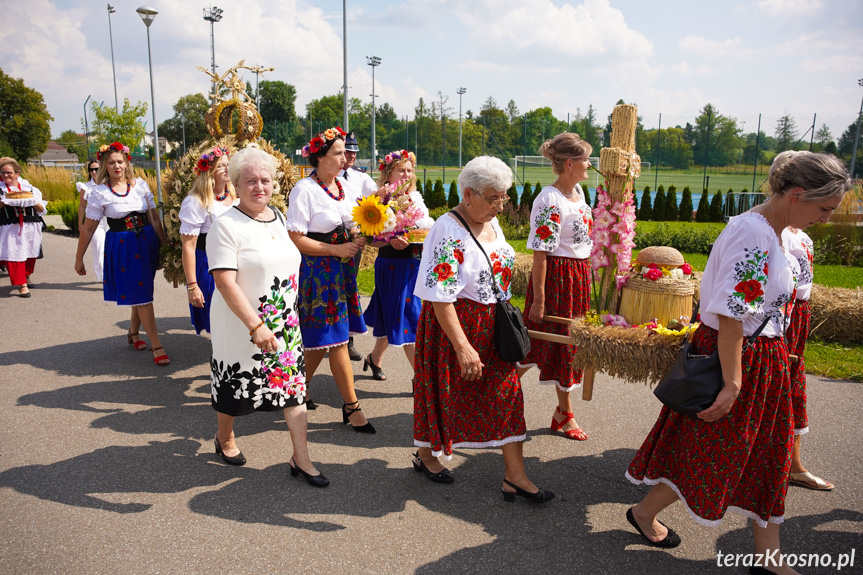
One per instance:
(691, 239)
(68, 210)
(452, 199)
(536, 190)
(437, 197)
(659, 205)
(438, 212)
(702, 214)
(646, 211)
(716, 214)
(837, 244)
(513, 194)
(686, 205)
(526, 196)
(672, 211)
(420, 188)
(514, 222)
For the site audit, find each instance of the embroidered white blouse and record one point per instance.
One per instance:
(84, 189)
(311, 209)
(453, 267)
(194, 217)
(559, 226)
(748, 277)
(799, 245)
(103, 202)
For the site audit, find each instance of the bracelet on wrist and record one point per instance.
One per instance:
(254, 329)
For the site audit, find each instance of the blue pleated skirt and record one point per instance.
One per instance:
(394, 310)
(131, 260)
(201, 316)
(329, 304)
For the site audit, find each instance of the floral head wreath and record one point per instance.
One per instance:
(322, 140)
(396, 156)
(210, 159)
(115, 147)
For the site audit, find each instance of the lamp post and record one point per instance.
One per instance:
(113, 69)
(87, 128)
(857, 136)
(374, 62)
(460, 93)
(148, 14)
(212, 15)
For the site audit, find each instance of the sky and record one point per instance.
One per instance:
(669, 57)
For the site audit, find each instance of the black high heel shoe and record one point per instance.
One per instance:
(237, 460)
(440, 477)
(314, 480)
(538, 497)
(377, 372)
(346, 414)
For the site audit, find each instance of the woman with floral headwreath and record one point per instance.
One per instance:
(321, 225)
(211, 196)
(736, 454)
(394, 310)
(559, 284)
(131, 244)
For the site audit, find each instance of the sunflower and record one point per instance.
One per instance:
(370, 215)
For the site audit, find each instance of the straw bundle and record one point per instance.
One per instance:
(643, 300)
(521, 273)
(624, 119)
(367, 260)
(619, 162)
(661, 256)
(634, 355)
(837, 314)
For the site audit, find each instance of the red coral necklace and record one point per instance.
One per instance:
(338, 198)
(128, 189)
(223, 196)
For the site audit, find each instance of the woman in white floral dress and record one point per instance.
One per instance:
(258, 362)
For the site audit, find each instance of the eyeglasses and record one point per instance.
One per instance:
(7, 173)
(500, 202)
(93, 170)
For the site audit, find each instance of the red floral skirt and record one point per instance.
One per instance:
(796, 336)
(740, 462)
(567, 294)
(451, 413)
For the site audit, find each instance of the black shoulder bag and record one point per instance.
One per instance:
(695, 380)
(510, 334)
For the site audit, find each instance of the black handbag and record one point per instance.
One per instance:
(510, 334)
(694, 380)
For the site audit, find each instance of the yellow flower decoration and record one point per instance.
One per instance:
(681, 331)
(370, 215)
(665, 272)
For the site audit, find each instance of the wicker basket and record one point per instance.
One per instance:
(643, 300)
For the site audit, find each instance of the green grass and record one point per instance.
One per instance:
(835, 360)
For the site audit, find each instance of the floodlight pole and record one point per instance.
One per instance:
(346, 119)
(147, 14)
(87, 128)
(113, 69)
(460, 93)
(757, 144)
(374, 62)
(213, 15)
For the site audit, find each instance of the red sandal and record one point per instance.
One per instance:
(577, 433)
(139, 345)
(160, 359)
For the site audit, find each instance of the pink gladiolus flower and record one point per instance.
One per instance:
(600, 237)
(600, 261)
(620, 281)
(604, 221)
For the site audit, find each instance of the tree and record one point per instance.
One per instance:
(785, 133)
(672, 211)
(715, 138)
(659, 204)
(645, 212)
(124, 127)
(846, 145)
(536, 190)
(452, 199)
(24, 119)
(525, 199)
(420, 188)
(586, 191)
(75, 144)
(278, 110)
(702, 214)
(716, 207)
(438, 198)
(187, 126)
(685, 210)
(749, 148)
(823, 138)
(428, 193)
(513, 195)
(674, 150)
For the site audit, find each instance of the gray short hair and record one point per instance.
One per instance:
(248, 157)
(484, 172)
(821, 176)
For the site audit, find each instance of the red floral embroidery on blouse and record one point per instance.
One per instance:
(543, 232)
(555, 217)
(750, 289)
(443, 271)
(458, 255)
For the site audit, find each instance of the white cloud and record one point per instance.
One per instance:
(789, 8)
(705, 47)
(684, 69)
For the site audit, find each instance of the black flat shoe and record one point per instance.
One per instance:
(346, 414)
(314, 480)
(25, 295)
(237, 460)
(377, 372)
(311, 405)
(671, 540)
(440, 477)
(538, 497)
(352, 351)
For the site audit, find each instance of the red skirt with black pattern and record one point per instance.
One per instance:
(567, 294)
(451, 413)
(796, 336)
(740, 462)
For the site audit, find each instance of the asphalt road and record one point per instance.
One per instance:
(107, 466)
